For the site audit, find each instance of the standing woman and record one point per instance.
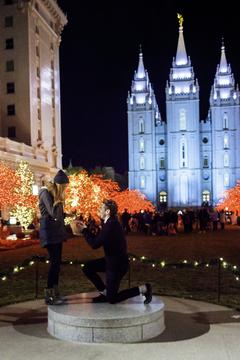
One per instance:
(53, 232)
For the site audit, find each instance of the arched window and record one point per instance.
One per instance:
(141, 144)
(225, 142)
(141, 126)
(142, 163)
(226, 179)
(163, 197)
(206, 196)
(205, 161)
(183, 153)
(225, 160)
(225, 121)
(182, 119)
(162, 163)
(142, 182)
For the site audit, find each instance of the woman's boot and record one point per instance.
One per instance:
(50, 298)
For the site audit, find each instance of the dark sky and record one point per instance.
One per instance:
(98, 56)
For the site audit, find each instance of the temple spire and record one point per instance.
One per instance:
(181, 56)
(140, 70)
(223, 62)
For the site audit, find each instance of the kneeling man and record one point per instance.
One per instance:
(115, 263)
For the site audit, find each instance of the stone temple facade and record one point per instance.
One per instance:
(183, 161)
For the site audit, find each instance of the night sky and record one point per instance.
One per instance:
(98, 56)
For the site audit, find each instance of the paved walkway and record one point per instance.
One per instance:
(194, 331)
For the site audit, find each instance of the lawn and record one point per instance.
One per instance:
(179, 279)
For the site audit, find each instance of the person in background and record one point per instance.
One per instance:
(52, 232)
(115, 263)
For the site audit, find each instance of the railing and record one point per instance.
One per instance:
(218, 264)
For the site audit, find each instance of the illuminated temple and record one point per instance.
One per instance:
(184, 160)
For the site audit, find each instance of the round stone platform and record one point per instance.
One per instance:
(126, 322)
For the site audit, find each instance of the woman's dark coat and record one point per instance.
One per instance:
(52, 228)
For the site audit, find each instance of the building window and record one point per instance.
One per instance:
(10, 88)
(225, 121)
(52, 64)
(225, 160)
(38, 92)
(205, 140)
(10, 65)
(9, 44)
(161, 142)
(142, 163)
(53, 84)
(8, 2)
(141, 126)
(142, 182)
(206, 196)
(37, 51)
(141, 145)
(182, 120)
(183, 153)
(38, 72)
(37, 30)
(8, 21)
(225, 142)
(36, 6)
(53, 122)
(163, 197)
(11, 131)
(53, 102)
(162, 163)
(39, 114)
(11, 110)
(205, 162)
(226, 180)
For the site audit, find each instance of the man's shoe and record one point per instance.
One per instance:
(99, 299)
(148, 294)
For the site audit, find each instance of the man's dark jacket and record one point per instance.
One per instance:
(113, 241)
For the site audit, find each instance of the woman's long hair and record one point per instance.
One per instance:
(57, 191)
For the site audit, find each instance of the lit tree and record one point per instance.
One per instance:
(26, 205)
(9, 180)
(231, 199)
(82, 195)
(133, 201)
(85, 194)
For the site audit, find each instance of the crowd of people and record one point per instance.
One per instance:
(170, 222)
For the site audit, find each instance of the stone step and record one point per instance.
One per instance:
(130, 321)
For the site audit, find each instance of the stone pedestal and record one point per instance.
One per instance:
(130, 321)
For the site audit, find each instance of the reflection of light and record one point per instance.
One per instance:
(194, 88)
(140, 99)
(180, 90)
(131, 100)
(234, 96)
(182, 75)
(139, 86)
(224, 94)
(215, 95)
(149, 100)
(182, 61)
(12, 220)
(170, 91)
(224, 81)
(35, 189)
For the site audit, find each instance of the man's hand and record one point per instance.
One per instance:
(80, 225)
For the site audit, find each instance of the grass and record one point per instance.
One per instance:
(197, 283)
